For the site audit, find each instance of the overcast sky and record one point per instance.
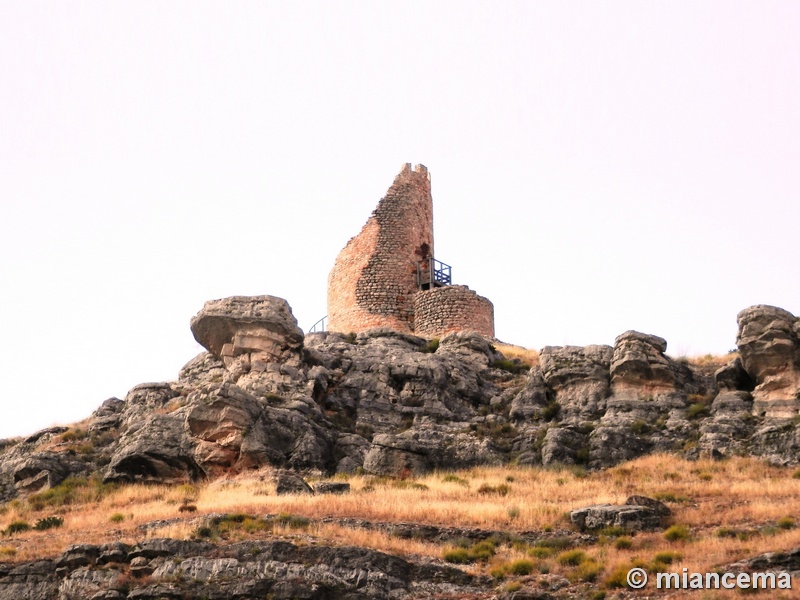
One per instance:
(596, 167)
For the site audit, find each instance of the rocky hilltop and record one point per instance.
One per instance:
(390, 403)
(264, 397)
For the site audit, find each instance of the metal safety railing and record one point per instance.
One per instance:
(319, 326)
(433, 273)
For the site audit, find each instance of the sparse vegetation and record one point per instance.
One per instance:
(740, 512)
(512, 366)
(430, 346)
(48, 523)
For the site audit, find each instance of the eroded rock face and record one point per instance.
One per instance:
(639, 513)
(166, 568)
(252, 331)
(769, 344)
(390, 402)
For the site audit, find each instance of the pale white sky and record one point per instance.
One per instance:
(596, 167)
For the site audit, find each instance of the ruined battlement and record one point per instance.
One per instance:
(377, 276)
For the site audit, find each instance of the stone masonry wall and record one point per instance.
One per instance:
(452, 308)
(374, 279)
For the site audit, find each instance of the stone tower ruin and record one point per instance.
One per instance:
(387, 275)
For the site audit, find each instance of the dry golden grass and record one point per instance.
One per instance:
(526, 356)
(731, 508)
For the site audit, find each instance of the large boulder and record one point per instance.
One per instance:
(639, 513)
(578, 377)
(769, 345)
(250, 331)
(639, 360)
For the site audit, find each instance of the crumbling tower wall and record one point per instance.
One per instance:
(374, 279)
(442, 310)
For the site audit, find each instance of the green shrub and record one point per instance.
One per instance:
(640, 427)
(521, 566)
(554, 543)
(293, 521)
(478, 552)
(786, 522)
(572, 557)
(7, 551)
(667, 557)
(512, 366)
(117, 518)
(676, 533)
(613, 531)
(618, 578)
(588, 570)
(623, 543)
(48, 523)
(541, 552)
(451, 478)
(551, 410)
(17, 527)
(697, 411)
(457, 556)
(498, 490)
(513, 586)
(431, 347)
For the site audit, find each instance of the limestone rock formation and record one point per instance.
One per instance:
(639, 513)
(164, 568)
(390, 402)
(252, 331)
(769, 343)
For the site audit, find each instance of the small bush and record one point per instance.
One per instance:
(786, 522)
(796, 474)
(697, 411)
(623, 543)
(588, 570)
(572, 557)
(521, 566)
(117, 518)
(551, 410)
(670, 497)
(293, 521)
(541, 552)
(640, 427)
(479, 552)
(618, 578)
(431, 347)
(512, 366)
(676, 533)
(497, 490)
(667, 557)
(48, 523)
(513, 586)
(613, 531)
(554, 543)
(451, 478)
(17, 527)
(457, 556)
(73, 435)
(7, 551)
(513, 512)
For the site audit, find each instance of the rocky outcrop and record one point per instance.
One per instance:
(769, 344)
(247, 332)
(390, 402)
(165, 568)
(639, 513)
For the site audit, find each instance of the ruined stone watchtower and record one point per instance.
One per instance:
(387, 275)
